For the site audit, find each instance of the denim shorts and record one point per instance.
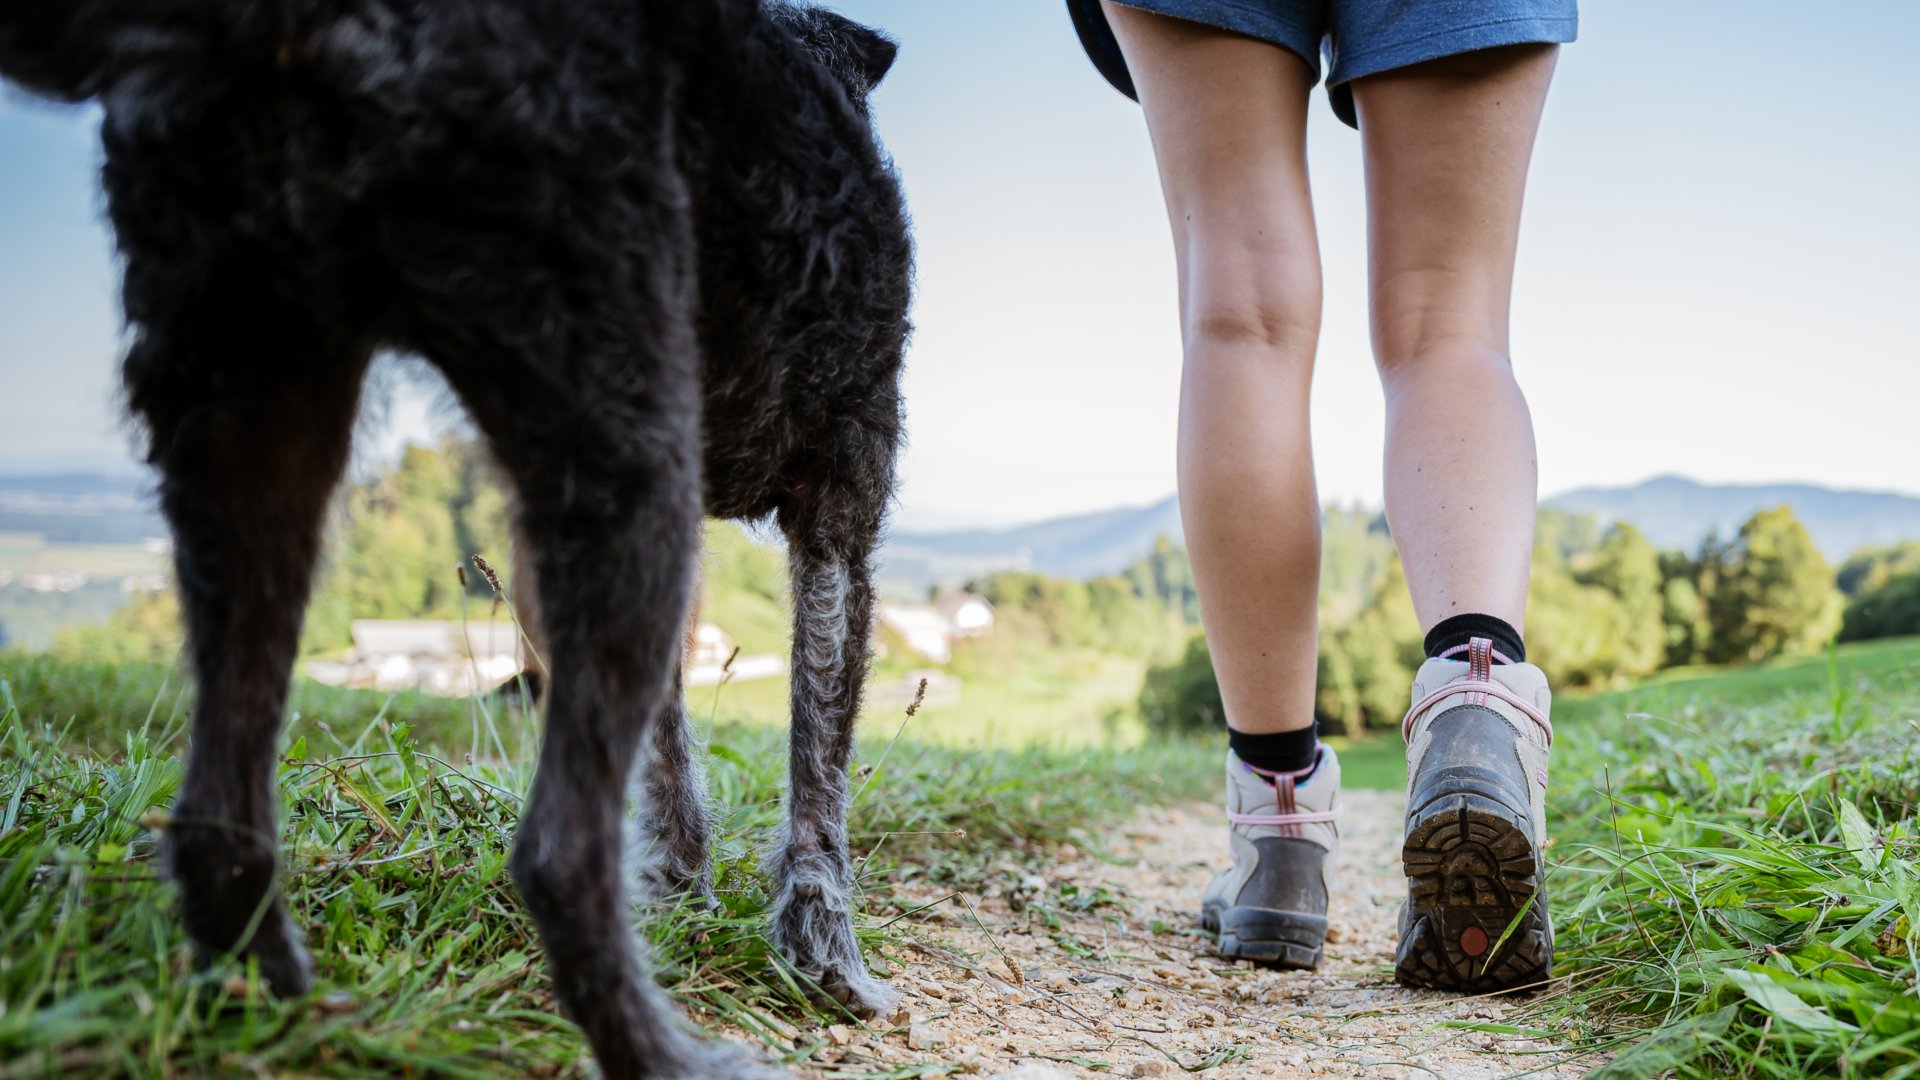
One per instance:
(1360, 37)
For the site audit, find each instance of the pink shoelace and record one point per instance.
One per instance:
(1478, 686)
(1283, 785)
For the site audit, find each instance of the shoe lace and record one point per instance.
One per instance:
(1283, 785)
(1478, 685)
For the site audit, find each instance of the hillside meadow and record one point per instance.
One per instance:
(1735, 877)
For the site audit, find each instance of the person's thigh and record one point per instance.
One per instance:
(1447, 147)
(1227, 115)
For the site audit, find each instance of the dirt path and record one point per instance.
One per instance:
(1112, 982)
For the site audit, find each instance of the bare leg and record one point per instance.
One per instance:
(525, 597)
(1447, 149)
(830, 544)
(1228, 119)
(250, 412)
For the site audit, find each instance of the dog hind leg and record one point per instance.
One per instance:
(829, 555)
(676, 817)
(606, 467)
(249, 412)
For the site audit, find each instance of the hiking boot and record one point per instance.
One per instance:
(1476, 913)
(1270, 907)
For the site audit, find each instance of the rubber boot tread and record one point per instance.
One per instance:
(1472, 868)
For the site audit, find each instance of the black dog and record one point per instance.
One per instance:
(654, 248)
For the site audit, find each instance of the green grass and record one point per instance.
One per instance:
(1376, 761)
(1737, 879)
(1050, 697)
(395, 861)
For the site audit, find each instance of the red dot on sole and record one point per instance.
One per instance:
(1473, 941)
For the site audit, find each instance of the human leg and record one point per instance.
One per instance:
(1228, 118)
(1447, 149)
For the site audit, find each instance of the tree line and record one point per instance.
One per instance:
(1606, 606)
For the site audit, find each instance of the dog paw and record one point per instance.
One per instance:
(275, 949)
(817, 945)
(858, 991)
(223, 885)
(668, 888)
(284, 965)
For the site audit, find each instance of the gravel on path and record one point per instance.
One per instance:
(1097, 970)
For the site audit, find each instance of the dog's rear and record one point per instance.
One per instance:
(513, 189)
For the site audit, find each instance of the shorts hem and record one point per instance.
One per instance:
(1519, 30)
(1263, 26)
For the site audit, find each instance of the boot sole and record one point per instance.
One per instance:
(1291, 940)
(1472, 873)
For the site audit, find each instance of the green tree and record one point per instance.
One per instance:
(1627, 567)
(1367, 663)
(1870, 568)
(1890, 610)
(1355, 554)
(1683, 610)
(1774, 594)
(1564, 534)
(1574, 631)
(146, 629)
(1166, 575)
(1184, 695)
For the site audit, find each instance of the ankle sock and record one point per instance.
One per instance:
(1460, 629)
(1281, 751)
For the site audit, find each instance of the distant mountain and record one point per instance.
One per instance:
(1672, 511)
(81, 507)
(1082, 546)
(1675, 512)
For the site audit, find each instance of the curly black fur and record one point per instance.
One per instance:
(655, 249)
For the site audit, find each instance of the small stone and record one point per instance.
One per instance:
(337, 1002)
(838, 1035)
(1031, 1071)
(1149, 1068)
(926, 1037)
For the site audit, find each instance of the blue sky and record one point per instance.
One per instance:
(1716, 277)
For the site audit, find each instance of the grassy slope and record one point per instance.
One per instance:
(1736, 874)
(396, 861)
(1738, 871)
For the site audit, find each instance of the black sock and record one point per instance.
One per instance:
(1460, 629)
(1282, 751)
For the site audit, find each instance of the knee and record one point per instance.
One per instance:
(1262, 301)
(1280, 327)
